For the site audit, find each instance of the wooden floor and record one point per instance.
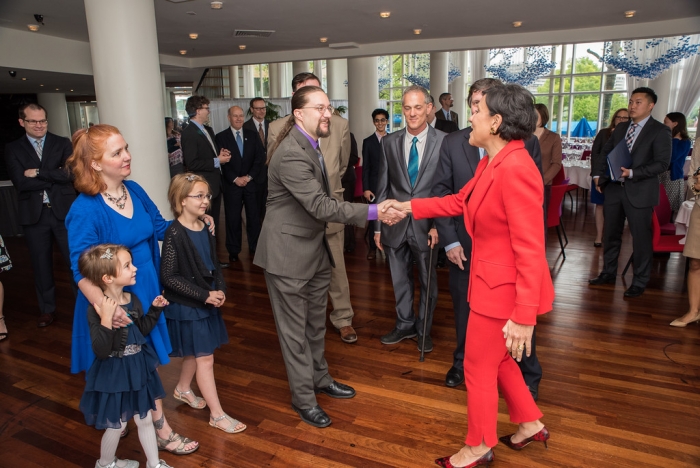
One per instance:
(620, 389)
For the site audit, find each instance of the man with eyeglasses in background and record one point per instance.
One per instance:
(260, 125)
(336, 154)
(202, 156)
(371, 153)
(36, 164)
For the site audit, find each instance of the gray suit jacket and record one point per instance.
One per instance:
(293, 241)
(393, 182)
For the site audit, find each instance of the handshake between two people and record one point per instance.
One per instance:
(391, 212)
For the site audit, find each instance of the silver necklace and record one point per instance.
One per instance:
(119, 202)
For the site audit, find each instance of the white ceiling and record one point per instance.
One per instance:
(299, 24)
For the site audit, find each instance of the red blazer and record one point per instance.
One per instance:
(502, 208)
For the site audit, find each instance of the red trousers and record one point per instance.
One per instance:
(487, 367)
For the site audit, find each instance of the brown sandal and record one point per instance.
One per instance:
(175, 437)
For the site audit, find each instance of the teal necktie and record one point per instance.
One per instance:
(413, 162)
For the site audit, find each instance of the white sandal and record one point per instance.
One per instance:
(195, 403)
(233, 423)
(129, 464)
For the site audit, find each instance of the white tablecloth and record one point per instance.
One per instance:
(578, 173)
(683, 218)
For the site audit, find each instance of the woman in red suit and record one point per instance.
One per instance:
(509, 282)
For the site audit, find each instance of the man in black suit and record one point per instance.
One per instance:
(456, 167)
(443, 125)
(371, 154)
(200, 153)
(445, 112)
(240, 181)
(636, 193)
(259, 124)
(37, 166)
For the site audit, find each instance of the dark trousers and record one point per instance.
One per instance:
(299, 309)
(401, 267)
(235, 198)
(40, 238)
(615, 209)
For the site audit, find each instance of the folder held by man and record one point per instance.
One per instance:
(619, 157)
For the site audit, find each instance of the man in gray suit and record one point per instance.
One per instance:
(294, 252)
(406, 169)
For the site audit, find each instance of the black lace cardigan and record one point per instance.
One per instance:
(184, 277)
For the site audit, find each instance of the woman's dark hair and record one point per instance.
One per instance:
(299, 99)
(544, 113)
(167, 121)
(612, 119)
(681, 124)
(516, 106)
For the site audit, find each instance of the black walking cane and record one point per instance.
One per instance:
(427, 300)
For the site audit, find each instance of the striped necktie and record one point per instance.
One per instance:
(262, 135)
(629, 139)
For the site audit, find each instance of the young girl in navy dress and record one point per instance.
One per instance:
(122, 382)
(195, 287)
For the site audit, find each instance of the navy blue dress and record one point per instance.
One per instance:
(117, 389)
(196, 331)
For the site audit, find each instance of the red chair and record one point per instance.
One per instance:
(358, 181)
(585, 155)
(560, 179)
(554, 213)
(663, 213)
(661, 243)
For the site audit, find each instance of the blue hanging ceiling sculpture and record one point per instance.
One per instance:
(421, 75)
(537, 64)
(648, 59)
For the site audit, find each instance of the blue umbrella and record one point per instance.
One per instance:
(582, 129)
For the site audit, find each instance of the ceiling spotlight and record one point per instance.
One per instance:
(217, 5)
(517, 24)
(194, 36)
(24, 79)
(41, 85)
(385, 14)
(33, 27)
(71, 90)
(417, 31)
(242, 47)
(183, 52)
(39, 19)
(630, 13)
(57, 89)
(323, 39)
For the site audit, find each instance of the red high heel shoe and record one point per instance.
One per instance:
(484, 460)
(542, 436)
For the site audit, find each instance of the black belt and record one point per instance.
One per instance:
(618, 182)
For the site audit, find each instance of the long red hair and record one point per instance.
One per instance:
(89, 146)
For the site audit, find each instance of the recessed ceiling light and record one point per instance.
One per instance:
(323, 39)
(33, 27)
(385, 14)
(217, 5)
(24, 79)
(57, 89)
(630, 13)
(183, 52)
(517, 24)
(71, 90)
(417, 31)
(194, 36)
(242, 47)
(41, 85)
(193, 13)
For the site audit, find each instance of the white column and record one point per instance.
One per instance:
(477, 60)
(459, 89)
(662, 87)
(363, 96)
(286, 75)
(127, 78)
(248, 81)
(336, 75)
(275, 80)
(173, 105)
(56, 112)
(439, 65)
(233, 82)
(300, 67)
(166, 98)
(318, 70)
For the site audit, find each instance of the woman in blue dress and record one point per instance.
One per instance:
(673, 179)
(113, 210)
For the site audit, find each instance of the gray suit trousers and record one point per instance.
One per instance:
(401, 266)
(299, 308)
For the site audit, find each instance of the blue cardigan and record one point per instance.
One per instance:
(88, 224)
(681, 148)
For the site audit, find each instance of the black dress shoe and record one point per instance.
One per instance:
(45, 320)
(337, 390)
(314, 416)
(454, 377)
(428, 344)
(603, 278)
(634, 291)
(396, 335)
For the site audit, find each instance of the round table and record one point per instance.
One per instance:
(578, 173)
(683, 218)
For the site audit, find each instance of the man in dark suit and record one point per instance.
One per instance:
(200, 153)
(259, 124)
(240, 176)
(444, 113)
(406, 168)
(458, 161)
(636, 193)
(37, 166)
(294, 251)
(371, 153)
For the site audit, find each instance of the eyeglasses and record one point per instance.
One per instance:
(200, 196)
(620, 117)
(321, 109)
(36, 122)
(259, 108)
(380, 120)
